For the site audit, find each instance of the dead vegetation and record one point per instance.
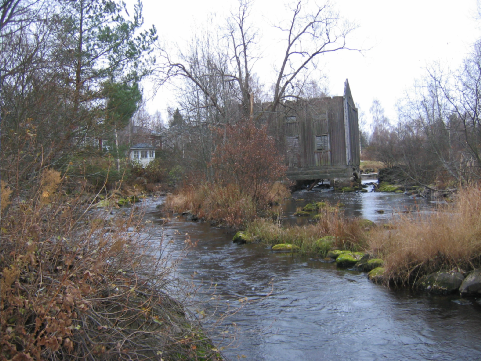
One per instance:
(78, 283)
(448, 239)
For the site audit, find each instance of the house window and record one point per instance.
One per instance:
(322, 142)
(136, 154)
(143, 154)
(152, 154)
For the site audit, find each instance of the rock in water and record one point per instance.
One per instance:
(441, 282)
(471, 284)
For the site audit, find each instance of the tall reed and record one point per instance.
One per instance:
(447, 239)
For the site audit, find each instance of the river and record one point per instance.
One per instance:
(293, 307)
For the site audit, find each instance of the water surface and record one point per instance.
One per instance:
(300, 308)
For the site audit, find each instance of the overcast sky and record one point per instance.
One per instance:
(402, 38)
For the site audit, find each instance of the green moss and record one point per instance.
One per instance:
(367, 264)
(122, 202)
(104, 203)
(310, 207)
(134, 199)
(334, 253)
(348, 259)
(285, 247)
(386, 187)
(242, 237)
(323, 245)
(347, 189)
(302, 214)
(320, 205)
(366, 223)
(375, 262)
(377, 275)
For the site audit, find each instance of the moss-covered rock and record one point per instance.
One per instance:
(386, 187)
(377, 275)
(321, 205)
(440, 282)
(348, 259)
(366, 224)
(334, 253)
(367, 264)
(285, 247)
(122, 202)
(105, 203)
(310, 207)
(302, 214)
(242, 237)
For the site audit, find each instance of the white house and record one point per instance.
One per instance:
(142, 153)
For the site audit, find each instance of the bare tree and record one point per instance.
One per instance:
(310, 33)
(467, 104)
(220, 86)
(383, 144)
(433, 133)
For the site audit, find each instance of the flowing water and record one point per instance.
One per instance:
(292, 307)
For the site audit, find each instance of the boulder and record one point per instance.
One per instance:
(190, 216)
(334, 253)
(377, 275)
(285, 247)
(441, 282)
(241, 238)
(301, 213)
(367, 264)
(348, 259)
(471, 285)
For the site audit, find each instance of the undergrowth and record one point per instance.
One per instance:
(77, 283)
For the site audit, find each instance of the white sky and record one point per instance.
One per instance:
(402, 38)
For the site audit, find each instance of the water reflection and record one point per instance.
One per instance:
(378, 207)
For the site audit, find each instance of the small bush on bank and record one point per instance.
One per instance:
(444, 240)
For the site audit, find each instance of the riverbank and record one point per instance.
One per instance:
(83, 279)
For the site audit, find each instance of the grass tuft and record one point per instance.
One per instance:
(447, 239)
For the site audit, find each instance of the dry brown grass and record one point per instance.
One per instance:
(371, 165)
(226, 205)
(349, 234)
(77, 284)
(447, 239)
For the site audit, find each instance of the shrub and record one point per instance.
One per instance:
(75, 284)
(247, 157)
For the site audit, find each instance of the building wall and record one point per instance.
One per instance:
(319, 137)
(142, 156)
